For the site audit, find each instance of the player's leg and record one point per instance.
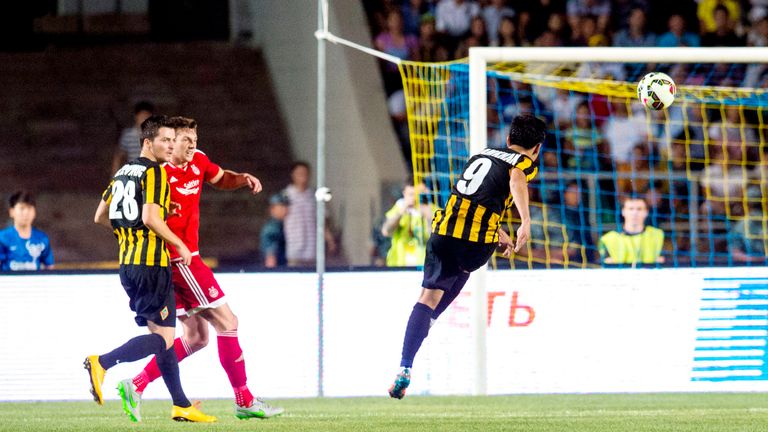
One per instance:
(418, 324)
(416, 331)
(232, 359)
(449, 296)
(168, 364)
(134, 349)
(195, 338)
(209, 302)
(164, 324)
(447, 265)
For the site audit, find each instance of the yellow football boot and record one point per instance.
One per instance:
(191, 414)
(96, 374)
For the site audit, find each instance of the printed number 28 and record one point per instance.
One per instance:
(125, 192)
(473, 176)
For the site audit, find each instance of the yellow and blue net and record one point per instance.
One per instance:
(701, 165)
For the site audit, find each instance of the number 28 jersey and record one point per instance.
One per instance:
(481, 196)
(138, 182)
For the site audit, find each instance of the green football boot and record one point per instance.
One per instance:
(131, 399)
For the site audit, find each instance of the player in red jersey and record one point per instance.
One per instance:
(199, 299)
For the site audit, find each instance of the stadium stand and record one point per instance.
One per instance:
(64, 108)
(695, 164)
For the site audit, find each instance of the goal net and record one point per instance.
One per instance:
(701, 165)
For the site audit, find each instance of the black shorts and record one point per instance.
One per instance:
(449, 261)
(150, 291)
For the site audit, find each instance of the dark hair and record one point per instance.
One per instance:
(143, 106)
(299, 164)
(527, 131)
(623, 198)
(21, 196)
(409, 181)
(721, 7)
(151, 126)
(574, 182)
(510, 18)
(179, 122)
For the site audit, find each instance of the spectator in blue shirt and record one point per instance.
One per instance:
(413, 12)
(23, 247)
(635, 35)
(677, 36)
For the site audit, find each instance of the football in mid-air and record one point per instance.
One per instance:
(656, 90)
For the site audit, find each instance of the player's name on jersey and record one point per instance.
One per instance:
(131, 171)
(510, 158)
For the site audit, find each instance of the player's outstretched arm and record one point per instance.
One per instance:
(230, 180)
(518, 185)
(151, 217)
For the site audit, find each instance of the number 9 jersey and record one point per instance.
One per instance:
(481, 196)
(138, 182)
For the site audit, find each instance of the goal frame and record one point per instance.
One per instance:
(479, 57)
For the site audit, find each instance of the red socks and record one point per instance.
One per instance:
(231, 357)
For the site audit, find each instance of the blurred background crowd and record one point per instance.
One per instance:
(77, 80)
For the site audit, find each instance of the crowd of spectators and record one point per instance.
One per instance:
(710, 154)
(442, 30)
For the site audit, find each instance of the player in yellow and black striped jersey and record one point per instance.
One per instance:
(482, 196)
(139, 182)
(135, 206)
(466, 232)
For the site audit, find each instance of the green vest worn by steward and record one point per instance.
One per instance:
(409, 238)
(641, 248)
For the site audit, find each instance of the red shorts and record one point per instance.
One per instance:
(195, 287)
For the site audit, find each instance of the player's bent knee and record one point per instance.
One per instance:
(198, 343)
(168, 333)
(431, 297)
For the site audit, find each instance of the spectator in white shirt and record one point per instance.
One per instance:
(454, 17)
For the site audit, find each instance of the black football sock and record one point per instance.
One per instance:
(135, 349)
(445, 301)
(417, 330)
(169, 369)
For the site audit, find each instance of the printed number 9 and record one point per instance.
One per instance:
(125, 192)
(473, 176)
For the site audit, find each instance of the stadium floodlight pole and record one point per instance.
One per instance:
(322, 24)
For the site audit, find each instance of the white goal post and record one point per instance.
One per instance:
(480, 57)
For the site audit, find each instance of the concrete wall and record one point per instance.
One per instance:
(362, 151)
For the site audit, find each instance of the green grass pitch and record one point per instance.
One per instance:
(530, 413)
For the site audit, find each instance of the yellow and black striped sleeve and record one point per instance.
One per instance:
(525, 165)
(106, 196)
